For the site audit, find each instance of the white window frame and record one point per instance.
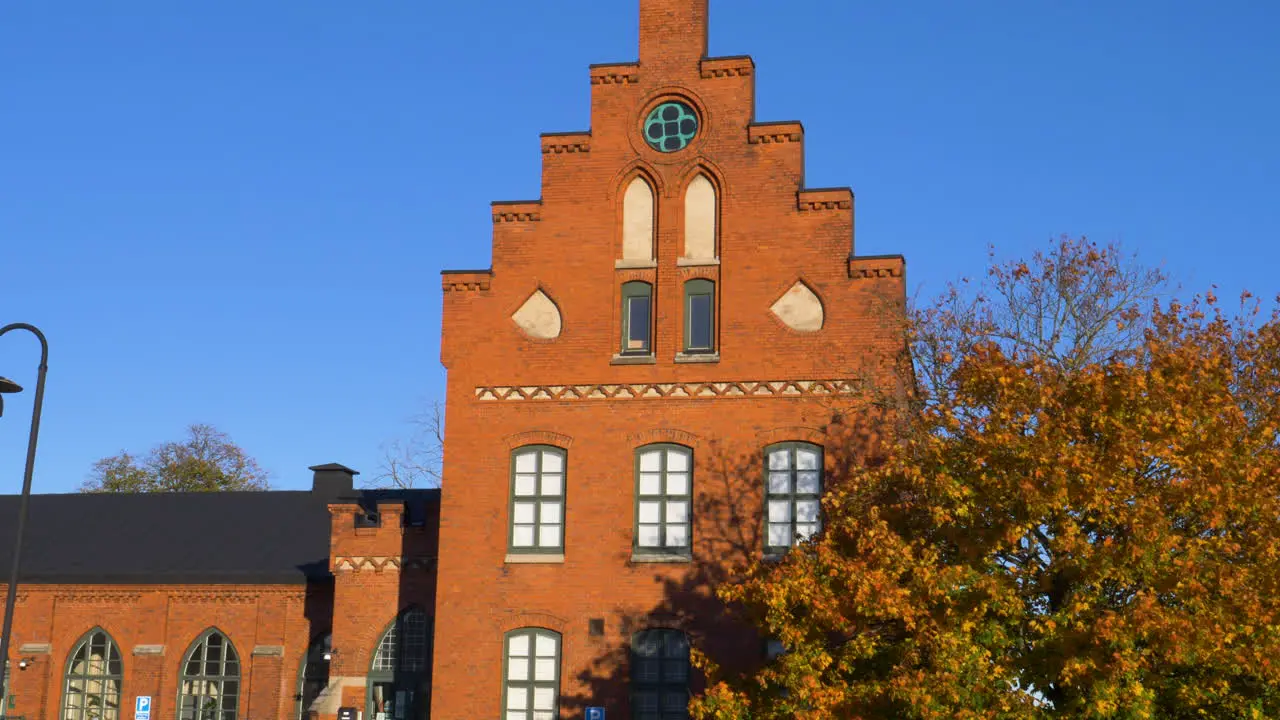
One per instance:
(536, 510)
(531, 674)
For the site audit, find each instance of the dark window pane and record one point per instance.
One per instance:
(700, 322)
(638, 323)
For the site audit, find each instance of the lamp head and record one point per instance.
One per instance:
(7, 386)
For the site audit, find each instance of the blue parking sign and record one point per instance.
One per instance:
(595, 713)
(142, 708)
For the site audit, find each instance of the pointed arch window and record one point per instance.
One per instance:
(94, 673)
(700, 216)
(210, 688)
(399, 681)
(313, 676)
(637, 222)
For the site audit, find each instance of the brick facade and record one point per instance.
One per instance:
(154, 626)
(367, 556)
(571, 389)
(800, 329)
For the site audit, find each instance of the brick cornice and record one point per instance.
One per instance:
(466, 281)
(560, 143)
(774, 133)
(96, 597)
(825, 199)
(870, 268)
(619, 74)
(517, 211)
(234, 598)
(726, 67)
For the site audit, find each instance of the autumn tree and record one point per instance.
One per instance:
(1074, 524)
(206, 460)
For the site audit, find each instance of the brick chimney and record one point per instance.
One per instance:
(672, 32)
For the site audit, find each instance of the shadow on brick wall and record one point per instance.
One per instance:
(729, 490)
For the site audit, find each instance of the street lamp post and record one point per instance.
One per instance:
(11, 598)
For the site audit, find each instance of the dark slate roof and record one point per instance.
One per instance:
(215, 537)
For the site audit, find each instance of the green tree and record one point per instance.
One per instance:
(205, 461)
(1074, 524)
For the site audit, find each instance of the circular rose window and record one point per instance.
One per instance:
(670, 127)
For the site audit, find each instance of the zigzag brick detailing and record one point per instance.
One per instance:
(673, 351)
(736, 320)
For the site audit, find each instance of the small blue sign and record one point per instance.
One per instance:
(595, 713)
(142, 708)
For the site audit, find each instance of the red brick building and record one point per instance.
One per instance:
(224, 606)
(649, 387)
(644, 389)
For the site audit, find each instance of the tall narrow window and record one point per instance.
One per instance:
(531, 681)
(637, 222)
(399, 682)
(537, 500)
(313, 676)
(699, 316)
(93, 679)
(637, 312)
(210, 688)
(659, 675)
(700, 220)
(663, 499)
(793, 489)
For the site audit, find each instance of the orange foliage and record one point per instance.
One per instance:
(1057, 534)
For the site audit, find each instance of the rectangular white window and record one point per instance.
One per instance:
(531, 687)
(793, 492)
(537, 500)
(664, 512)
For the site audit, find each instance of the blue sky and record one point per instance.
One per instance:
(235, 212)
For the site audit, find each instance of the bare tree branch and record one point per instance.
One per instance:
(415, 461)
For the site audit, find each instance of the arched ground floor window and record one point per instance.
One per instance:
(399, 686)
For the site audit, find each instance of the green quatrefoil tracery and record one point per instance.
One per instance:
(670, 127)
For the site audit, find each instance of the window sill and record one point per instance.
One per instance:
(696, 262)
(633, 360)
(641, 556)
(534, 559)
(634, 264)
(698, 357)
